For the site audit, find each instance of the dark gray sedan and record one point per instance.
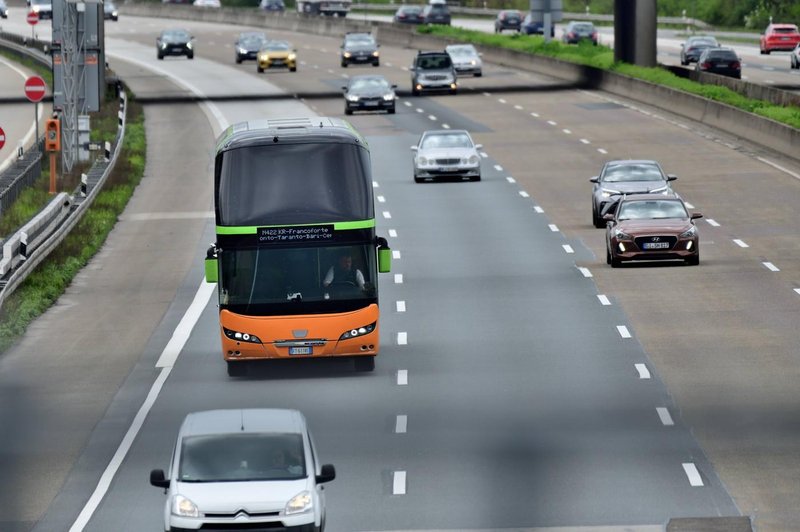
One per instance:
(175, 42)
(618, 178)
(369, 93)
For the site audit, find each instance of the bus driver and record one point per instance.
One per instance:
(343, 273)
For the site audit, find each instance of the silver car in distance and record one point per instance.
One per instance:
(248, 469)
(446, 153)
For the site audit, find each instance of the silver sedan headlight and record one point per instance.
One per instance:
(422, 161)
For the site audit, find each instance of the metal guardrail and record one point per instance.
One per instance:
(32, 243)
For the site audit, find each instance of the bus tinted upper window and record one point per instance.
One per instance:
(271, 184)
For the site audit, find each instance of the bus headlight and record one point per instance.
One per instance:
(360, 331)
(237, 336)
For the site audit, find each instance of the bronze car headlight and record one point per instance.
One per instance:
(622, 235)
(692, 231)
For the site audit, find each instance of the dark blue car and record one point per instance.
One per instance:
(529, 27)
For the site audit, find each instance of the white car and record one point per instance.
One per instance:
(244, 469)
(795, 57)
(466, 59)
(446, 153)
(207, 3)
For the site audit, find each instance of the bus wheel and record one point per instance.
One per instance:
(366, 363)
(237, 369)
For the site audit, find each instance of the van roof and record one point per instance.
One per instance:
(249, 420)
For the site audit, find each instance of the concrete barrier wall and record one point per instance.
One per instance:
(748, 126)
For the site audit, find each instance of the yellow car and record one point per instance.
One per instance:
(277, 54)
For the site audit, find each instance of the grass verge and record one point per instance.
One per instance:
(52, 277)
(603, 58)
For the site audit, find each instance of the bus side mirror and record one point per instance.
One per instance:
(384, 256)
(211, 265)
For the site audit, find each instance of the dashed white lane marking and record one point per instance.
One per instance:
(779, 167)
(510, 179)
(663, 414)
(567, 131)
(445, 126)
(535, 115)
(797, 291)
(552, 122)
(396, 254)
(601, 150)
(398, 278)
(484, 154)
(432, 118)
(524, 194)
(405, 69)
(401, 424)
(375, 184)
(330, 71)
(553, 227)
(644, 373)
(518, 107)
(604, 300)
(501, 100)
(399, 483)
(487, 93)
(771, 266)
(389, 65)
(693, 474)
(407, 104)
(324, 50)
(585, 272)
(586, 141)
(392, 233)
(401, 306)
(387, 215)
(498, 168)
(538, 209)
(420, 110)
(623, 331)
(402, 338)
(568, 248)
(402, 377)
(740, 243)
(381, 199)
(712, 222)
(344, 76)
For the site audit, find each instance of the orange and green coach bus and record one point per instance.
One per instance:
(296, 256)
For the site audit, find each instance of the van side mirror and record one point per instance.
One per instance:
(327, 473)
(157, 479)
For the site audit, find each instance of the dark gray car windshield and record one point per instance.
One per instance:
(434, 62)
(278, 184)
(622, 173)
(241, 457)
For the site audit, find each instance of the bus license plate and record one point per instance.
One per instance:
(656, 245)
(299, 350)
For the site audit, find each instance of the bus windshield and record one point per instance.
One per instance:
(297, 280)
(294, 183)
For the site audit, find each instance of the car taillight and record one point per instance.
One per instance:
(594, 35)
(571, 35)
(706, 65)
(736, 64)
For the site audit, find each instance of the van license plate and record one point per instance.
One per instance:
(299, 350)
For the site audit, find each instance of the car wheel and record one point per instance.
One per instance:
(391, 110)
(376, 63)
(344, 64)
(453, 91)
(476, 178)
(608, 255)
(615, 263)
(418, 179)
(766, 52)
(238, 60)
(365, 363)
(237, 369)
(190, 56)
(293, 69)
(684, 62)
(348, 111)
(693, 261)
(597, 220)
(160, 57)
(414, 92)
(259, 69)
(478, 74)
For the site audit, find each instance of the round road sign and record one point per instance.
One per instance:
(34, 88)
(2, 138)
(32, 18)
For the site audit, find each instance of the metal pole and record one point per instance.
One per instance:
(36, 121)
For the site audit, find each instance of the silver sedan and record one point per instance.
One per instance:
(446, 153)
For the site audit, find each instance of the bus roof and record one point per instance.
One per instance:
(290, 130)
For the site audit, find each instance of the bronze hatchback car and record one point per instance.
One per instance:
(644, 227)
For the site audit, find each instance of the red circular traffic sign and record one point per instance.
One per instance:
(34, 88)
(2, 138)
(32, 18)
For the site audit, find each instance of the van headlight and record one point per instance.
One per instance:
(183, 507)
(302, 502)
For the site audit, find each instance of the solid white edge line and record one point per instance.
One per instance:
(399, 483)
(402, 377)
(184, 329)
(116, 461)
(694, 475)
(663, 414)
(604, 300)
(623, 331)
(740, 243)
(402, 338)
(585, 272)
(401, 424)
(779, 167)
(398, 278)
(568, 248)
(401, 306)
(396, 254)
(644, 373)
(771, 267)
